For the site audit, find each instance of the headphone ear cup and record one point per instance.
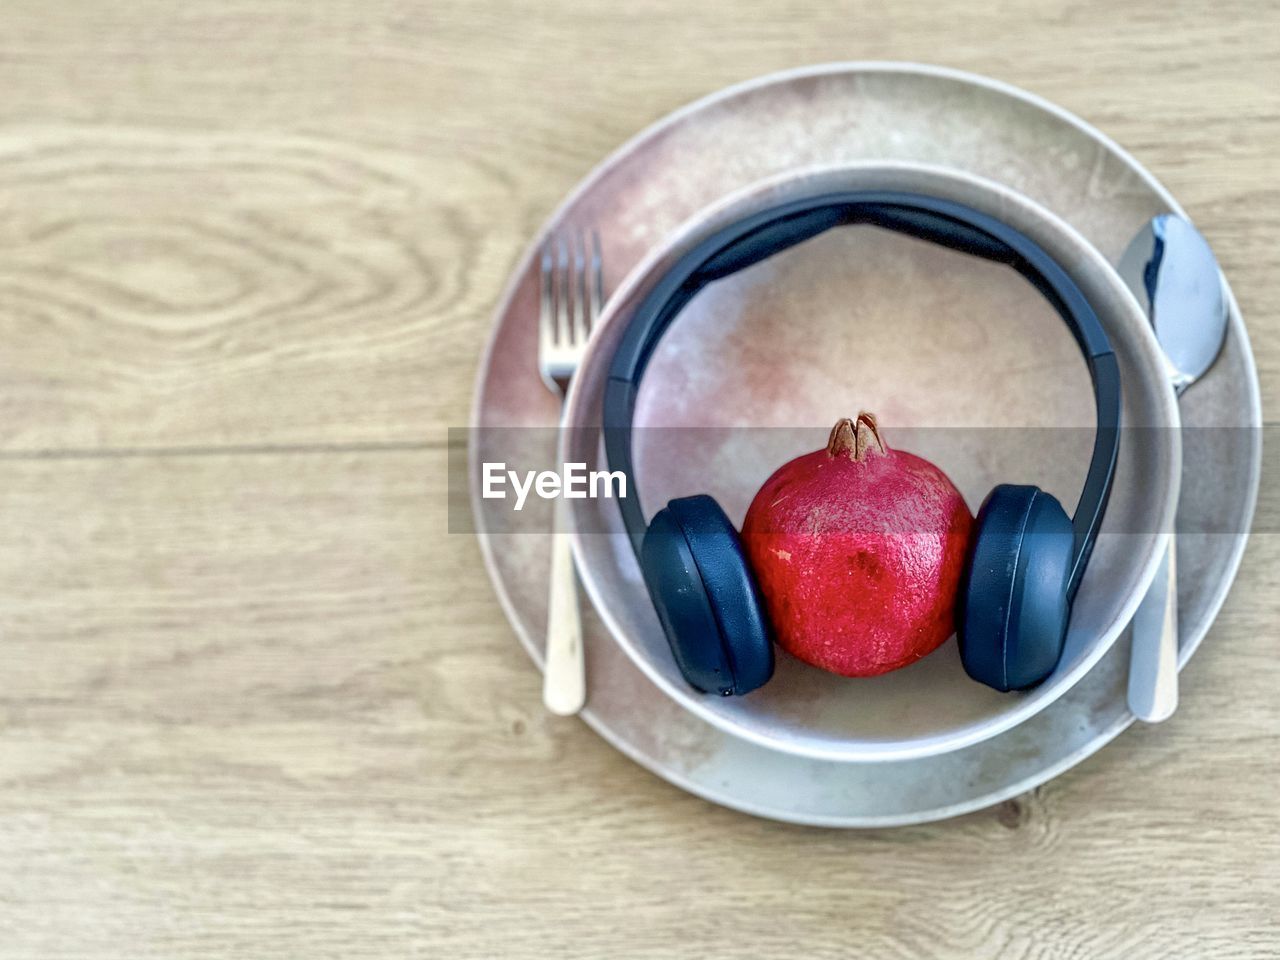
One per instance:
(1014, 605)
(706, 597)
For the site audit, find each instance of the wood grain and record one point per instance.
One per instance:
(256, 701)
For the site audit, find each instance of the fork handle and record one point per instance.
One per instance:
(564, 682)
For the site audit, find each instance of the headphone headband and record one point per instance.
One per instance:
(761, 235)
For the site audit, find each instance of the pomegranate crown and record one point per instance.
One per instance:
(856, 439)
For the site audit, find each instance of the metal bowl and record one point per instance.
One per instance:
(963, 362)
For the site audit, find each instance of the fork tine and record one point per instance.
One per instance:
(563, 333)
(596, 283)
(579, 292)
(546, 305)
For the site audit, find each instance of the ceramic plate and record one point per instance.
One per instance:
(840, 114)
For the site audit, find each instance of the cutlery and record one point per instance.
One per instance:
(572, 294)
(1171, 270)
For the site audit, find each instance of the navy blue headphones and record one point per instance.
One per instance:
(1026, 558)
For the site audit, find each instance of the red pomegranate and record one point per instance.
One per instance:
(858, 550)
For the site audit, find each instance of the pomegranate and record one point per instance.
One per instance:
(858, 551)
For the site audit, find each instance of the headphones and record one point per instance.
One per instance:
(1026, 557)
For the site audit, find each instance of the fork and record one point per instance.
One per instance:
(572, 293)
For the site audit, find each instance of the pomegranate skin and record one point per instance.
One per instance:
(858, 551)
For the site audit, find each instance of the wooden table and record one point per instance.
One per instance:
(256, 702)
